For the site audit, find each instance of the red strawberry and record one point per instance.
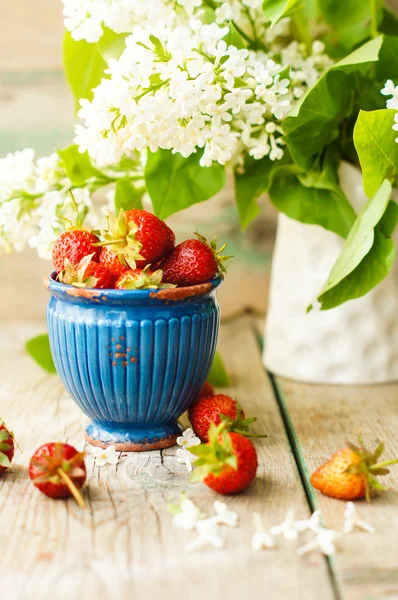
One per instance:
(194, 261)
(74, 245)
(110, 260)
(142, 279)
(58, 471)
(217, 409)
(138, 238)
(351, 473)
(6, 447)
(227, 463)
(206, 390)
(86, 274)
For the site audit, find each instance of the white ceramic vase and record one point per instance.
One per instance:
(355, 343)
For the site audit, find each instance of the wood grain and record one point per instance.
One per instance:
(321, 419)
(124, 545)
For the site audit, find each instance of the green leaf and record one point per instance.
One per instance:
(4, 434)
(84, 67)
(350, 21)
(249, 186)
(4, 460)
(127, 196)
(389, 220)
(347, 86)
(234, 38)
(174, 182)
(39, 349)
(389, 23)
(366, 258)
(377, 150)
(111, 44)
(218, 376)
(78, 166)
(274, 10)
(316, 202)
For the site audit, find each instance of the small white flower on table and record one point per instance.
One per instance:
(323, 542)
(287, 528)
(223, 515)
(186, 440)
(352, 521)
(105, 456)
(184, 457)
(261, 540)
(207, 536)
(311, 524)
(188, 514)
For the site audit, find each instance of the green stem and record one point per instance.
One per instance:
(383, 464)
(373, 10)
(301, 29)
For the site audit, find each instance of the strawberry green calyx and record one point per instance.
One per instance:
(5, 435)
(76, 275)
(215, 455)
(369, 467)
(145, 280)
(80, 216)
(120, 238)
(240, 424)
(218, 257)
(56, 469)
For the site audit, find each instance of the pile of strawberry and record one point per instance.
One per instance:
(136, 251)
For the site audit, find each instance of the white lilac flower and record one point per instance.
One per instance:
(184, 457)
(352, 520)
(202, 96)
(287, 528)
(223, 515)
(207, 536)
(391, 90)
(311, 524)
(188, 439)
(261, 540)
(105, 456)
(186, 513)
(323, 541)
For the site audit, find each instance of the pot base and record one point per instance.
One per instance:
(126, 439)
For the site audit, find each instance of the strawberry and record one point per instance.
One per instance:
(227, 463)
(86, 274)
(110, 260)
(194, 261)
(142, 279)
(58, 471)
(351, 473)
(137, 238)
(206, 390)
(216, 409)
(6, 447)
(74, 245)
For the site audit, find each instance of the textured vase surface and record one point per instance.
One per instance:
(133, 360)
(355, 343)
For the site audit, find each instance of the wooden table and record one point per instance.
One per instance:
(124, 544)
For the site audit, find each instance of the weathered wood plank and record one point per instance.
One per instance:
(319, 420)
(322, 419)
(125, 546)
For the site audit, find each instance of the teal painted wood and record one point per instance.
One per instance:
(133, 360)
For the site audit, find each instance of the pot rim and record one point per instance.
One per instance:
(165, 294)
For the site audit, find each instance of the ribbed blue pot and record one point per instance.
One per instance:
(133, 360)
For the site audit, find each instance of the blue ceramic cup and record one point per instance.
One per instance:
(133, 360)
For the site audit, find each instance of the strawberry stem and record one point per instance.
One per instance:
(72, 488)
(383, 464)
